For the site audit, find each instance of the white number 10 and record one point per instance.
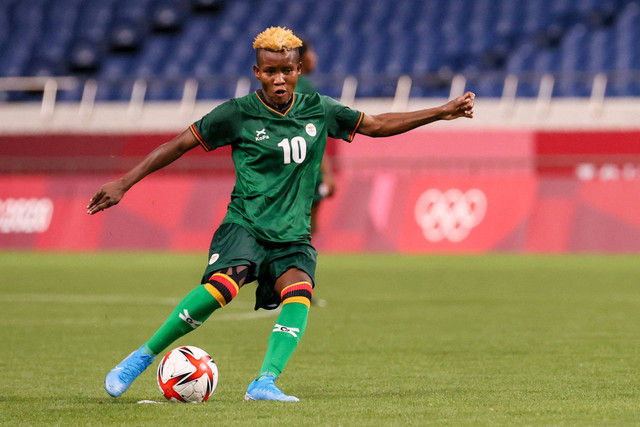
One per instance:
(296, 149)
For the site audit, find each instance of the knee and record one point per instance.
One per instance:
(224, 285)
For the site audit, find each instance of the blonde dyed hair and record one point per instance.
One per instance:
(276, 39)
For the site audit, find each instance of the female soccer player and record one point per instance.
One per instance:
(278, 138)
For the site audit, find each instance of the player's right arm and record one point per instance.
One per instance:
(389, 124)
(112, 192)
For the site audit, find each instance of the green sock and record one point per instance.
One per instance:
(194, 309)
(285, 337)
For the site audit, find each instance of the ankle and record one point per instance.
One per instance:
(265, 375)
(146, 350)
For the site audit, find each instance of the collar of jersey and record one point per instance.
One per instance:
(274, 110)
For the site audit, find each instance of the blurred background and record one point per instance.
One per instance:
(166, 42)
(551, 163)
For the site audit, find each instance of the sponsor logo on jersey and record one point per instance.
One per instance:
(261, 134)
(310, 129)
(190, 320)
(287, 330)
(213, 258)
(451, 214)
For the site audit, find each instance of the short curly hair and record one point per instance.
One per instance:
(277, 39)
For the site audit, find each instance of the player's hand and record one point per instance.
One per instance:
(462, 106)
(110, 194)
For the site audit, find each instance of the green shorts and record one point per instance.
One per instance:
(232, 245)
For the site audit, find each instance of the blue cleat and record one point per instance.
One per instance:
(265, 389)
(120, 378)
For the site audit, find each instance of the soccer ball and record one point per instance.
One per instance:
(187, 374)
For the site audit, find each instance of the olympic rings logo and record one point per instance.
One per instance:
(450, 215)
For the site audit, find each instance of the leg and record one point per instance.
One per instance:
(190, 313)
(296, 290)
(198, 305)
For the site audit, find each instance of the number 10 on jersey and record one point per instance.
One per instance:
(295, 150)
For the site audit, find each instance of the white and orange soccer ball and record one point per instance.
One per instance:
(187, 374)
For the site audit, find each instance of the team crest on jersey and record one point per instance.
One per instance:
(213, 258)
(311, 129)
(261, 134)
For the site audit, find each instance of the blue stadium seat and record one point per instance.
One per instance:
(213, 89)
(487, 85)
(115, 67)
(84, 56)
(207, 6)
(114, 90)
(601, 56)
(546, 61)
(522, 59)
(169, 15)
(376, 41)
(152, 57)
(163, 90)
(42, 67)
(70, 95)
(93, 21)
(126, 34)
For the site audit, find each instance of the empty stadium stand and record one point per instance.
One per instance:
(167, 42)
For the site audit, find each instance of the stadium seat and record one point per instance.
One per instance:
(375, 41)
(70, 95)
(168, 15)
(216, 89)
(84, 56)
(207, 6)
(44, 67)
(125, 35)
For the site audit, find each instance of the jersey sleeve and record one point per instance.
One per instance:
(217, 128)
(342, 121)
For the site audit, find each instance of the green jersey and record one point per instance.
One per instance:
(277, 157)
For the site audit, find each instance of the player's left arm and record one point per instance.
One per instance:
(388, 124)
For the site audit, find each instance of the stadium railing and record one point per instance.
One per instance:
(49, 87)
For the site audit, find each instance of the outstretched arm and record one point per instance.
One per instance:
(112, 192)
(394, 123)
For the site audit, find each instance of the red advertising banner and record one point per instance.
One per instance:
(395, 200)
(589, 155)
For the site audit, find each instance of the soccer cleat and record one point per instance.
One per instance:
(120, 378)
(265, 389)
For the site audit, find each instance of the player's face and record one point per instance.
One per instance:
(278, 72)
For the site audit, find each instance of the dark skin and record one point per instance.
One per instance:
(278, 73)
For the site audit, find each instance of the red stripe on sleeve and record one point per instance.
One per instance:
(355, 129)
(199, 137)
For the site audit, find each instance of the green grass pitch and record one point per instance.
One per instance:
(402, 340)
